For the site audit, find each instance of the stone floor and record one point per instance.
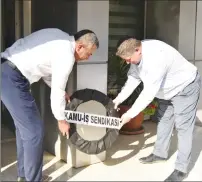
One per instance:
(121, 164)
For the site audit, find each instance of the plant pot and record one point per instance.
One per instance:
(134, 126)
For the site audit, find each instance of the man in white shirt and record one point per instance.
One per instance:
(168, 76)
(47, 54)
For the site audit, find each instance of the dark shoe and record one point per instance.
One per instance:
(177, 176)
(21, 179)
(151, 159)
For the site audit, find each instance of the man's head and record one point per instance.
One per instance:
(86, 43)
(129, 49)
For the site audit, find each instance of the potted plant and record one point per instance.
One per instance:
(151, 108)
(117, 71)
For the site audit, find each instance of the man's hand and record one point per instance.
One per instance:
(116, 103)
(64, 127)
(67, 97)
(125, 118)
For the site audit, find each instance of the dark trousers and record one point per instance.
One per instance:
(16, 96)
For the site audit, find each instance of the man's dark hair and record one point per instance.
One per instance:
(87, 35)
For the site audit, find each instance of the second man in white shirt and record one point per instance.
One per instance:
(168, 76)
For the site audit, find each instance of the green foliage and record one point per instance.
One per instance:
(151, 108)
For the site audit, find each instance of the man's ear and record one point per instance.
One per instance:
(79, 46)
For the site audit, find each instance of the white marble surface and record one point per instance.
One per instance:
(121, 165)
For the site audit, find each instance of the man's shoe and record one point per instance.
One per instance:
(21, 179)
(151, 159)
(177, 176)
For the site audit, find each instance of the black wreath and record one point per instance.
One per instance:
(96, 146)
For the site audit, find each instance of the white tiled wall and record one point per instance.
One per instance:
(190, 23)
(187, 28)
(92, 76)
(94, 15)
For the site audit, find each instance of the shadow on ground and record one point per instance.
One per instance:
(129, 146)
(131, 143)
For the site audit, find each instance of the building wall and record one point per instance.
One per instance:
(187, 28)
(162, 21)
(94, 15)
(178, 23)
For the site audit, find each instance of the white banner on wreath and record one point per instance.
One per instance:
(92, 119)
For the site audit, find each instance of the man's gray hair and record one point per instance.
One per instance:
(87, 37)
(127, 46)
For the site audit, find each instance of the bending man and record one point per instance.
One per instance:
(168, 76)
(48, 54)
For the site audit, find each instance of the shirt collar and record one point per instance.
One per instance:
(73, 42)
